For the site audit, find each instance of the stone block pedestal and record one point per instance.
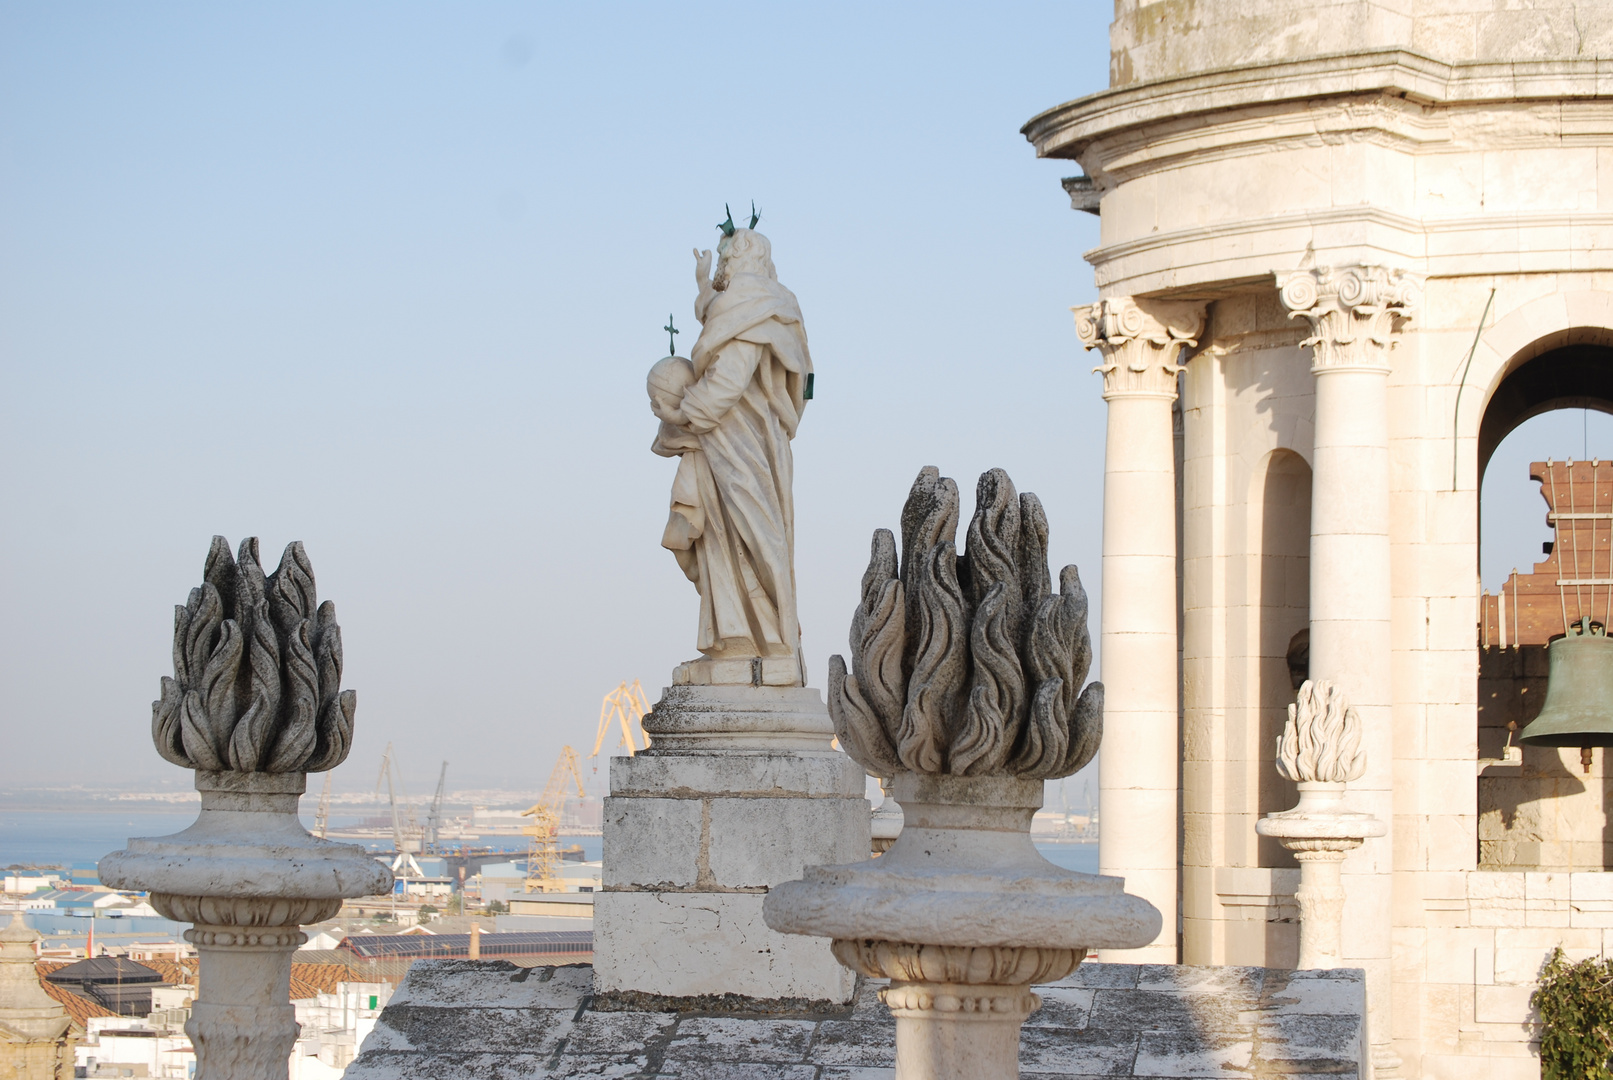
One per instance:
(739, 791)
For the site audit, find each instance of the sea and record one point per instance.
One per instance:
(57, 837)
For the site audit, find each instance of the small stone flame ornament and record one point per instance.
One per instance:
(1322, 739)
(968, 665)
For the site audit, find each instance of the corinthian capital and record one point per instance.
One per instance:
(1140, 341)
(1354, 312)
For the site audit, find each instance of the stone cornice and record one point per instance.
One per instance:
(1140, 340)
(1354, 313)
(1066, 130)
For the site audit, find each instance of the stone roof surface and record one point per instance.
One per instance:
(490, 1020)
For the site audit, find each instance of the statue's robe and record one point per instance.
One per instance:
(735, 495)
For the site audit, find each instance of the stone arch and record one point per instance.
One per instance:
(1577, 374)
(1555, 351)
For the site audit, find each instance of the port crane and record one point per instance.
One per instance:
(322, 815)
(625, 707)
(434, 818)
(543, 852)
(403, 835)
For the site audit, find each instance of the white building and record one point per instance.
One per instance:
(28, 881)
(1378, 236)
(333, 1027)
(154, 1046)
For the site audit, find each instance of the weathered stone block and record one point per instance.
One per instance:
(652, 842)
(820, 774)
(695, 944)
(1501, 1004)
(757, 843)
(1452, 951)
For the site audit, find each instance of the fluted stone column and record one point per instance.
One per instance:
(1355, 314)
(1140, 342)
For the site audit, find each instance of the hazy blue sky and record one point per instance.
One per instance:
(386, 278)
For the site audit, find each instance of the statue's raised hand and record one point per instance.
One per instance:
(702, 267)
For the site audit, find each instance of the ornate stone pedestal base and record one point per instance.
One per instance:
(247, 875)
(1320, 833)
(886, 824)
(958, 1010)
(739, 790)
(243, 1024)
(962, 914)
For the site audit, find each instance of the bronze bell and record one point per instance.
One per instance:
(1579, 695)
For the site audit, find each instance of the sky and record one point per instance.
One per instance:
(1512, 513)
(387, 278)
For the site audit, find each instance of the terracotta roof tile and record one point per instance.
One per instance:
(320, 978)
(307, 980)
(79, 1008)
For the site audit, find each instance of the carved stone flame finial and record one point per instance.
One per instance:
(1322, 739)
(257, 668)
(968, 665)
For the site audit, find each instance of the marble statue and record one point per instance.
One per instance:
(1321, 742)
(728, 412)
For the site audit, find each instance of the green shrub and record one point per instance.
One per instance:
(1576, 1015)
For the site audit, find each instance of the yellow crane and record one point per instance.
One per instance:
(543, 852)
(626, 707)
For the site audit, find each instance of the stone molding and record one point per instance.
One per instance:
(1068, 130)
(1355, 313)
(994, 1002)
(956, 964)
(1139, 341)
(259, 913)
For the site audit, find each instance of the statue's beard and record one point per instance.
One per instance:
(719, 281)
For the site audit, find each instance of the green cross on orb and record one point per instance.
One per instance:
(672, 343)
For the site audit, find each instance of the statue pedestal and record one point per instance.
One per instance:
(739, 791)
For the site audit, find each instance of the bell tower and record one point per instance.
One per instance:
(1392, 224)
